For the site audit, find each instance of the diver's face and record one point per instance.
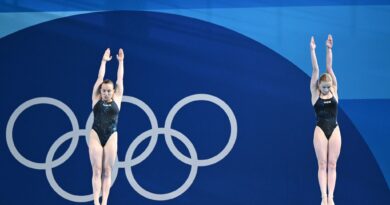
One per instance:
(325, 87)
(107, 91)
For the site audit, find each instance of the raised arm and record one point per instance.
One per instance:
(329, 59)
(119, 81)
(315, 72)
(102, 71)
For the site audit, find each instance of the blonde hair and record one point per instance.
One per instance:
(325, 77)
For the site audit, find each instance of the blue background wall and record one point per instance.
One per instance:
(254, 55)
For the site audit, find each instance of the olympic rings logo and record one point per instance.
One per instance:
(129, 162)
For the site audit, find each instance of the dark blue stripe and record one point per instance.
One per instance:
(93, 5)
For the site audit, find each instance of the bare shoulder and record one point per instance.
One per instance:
(95, 100)
(315, 94)
(118, 100)
(335, 94)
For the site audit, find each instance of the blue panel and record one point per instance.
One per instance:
(92, 5)
(169, 57)
(358, 57)
(287, 31)
(372, 119)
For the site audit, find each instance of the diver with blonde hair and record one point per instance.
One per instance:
(327, 137)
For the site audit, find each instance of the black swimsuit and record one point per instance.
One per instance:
(105, 119)
(326, 112)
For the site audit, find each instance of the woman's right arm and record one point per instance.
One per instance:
(99, 80)
(315, 72)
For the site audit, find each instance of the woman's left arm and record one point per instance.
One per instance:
(119, 81)
(329, 60)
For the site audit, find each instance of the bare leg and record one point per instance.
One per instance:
(110, 152)
(96, 157)
(334, 152)
(321, 148)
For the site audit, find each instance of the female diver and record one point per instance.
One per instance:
(106, 103)
(327, 137)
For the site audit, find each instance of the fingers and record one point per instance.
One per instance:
(329, 41)
(120, 55)
(107, 51)
(107, 54)
(330, 37)
(312, 41)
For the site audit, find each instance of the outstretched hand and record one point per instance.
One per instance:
(107, 56)
(120, 56)
(329, 41)
(312, 44)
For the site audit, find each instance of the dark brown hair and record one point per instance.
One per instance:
(106, 81)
